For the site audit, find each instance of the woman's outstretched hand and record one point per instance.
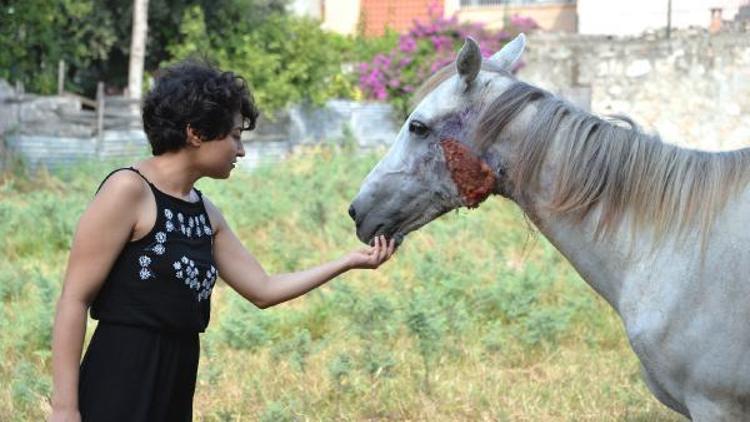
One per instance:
(372, 257)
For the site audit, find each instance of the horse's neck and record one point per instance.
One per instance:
(603, 263)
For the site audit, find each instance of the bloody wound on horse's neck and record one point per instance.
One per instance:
(474, 179)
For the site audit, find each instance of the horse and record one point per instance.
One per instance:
(661, 232)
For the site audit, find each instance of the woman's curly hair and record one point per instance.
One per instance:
(196, 94)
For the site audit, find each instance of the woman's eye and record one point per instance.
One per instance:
(418, 128)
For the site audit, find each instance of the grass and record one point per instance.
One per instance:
(476, 317)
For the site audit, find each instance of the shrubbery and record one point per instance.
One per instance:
(425, 48)
(284, 59)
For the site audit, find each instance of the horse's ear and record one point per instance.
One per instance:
(469, 61)
(508, 56)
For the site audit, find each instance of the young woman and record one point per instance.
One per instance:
(146, 255)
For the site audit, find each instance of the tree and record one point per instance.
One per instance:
(36, 34)
(94, 36)
(138, 48)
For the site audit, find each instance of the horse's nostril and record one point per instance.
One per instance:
(352, 213)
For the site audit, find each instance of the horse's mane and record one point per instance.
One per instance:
(620, 170)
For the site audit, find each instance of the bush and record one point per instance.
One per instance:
(285, 59)
(394, 76)
(36, 34)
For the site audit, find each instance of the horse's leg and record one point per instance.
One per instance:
(662, 394)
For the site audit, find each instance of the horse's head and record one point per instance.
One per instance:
(435, 165)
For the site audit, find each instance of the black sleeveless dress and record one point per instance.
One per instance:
(142, 361)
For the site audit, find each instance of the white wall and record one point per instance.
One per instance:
(309, 8)
(341, 16)
(632, 17)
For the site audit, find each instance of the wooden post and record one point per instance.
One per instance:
(99, 118)
(61, 77)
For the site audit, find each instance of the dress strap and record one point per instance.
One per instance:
(140, 174)
(133, 169)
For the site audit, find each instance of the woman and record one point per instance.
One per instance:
(147, 252)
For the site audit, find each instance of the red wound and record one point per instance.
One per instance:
(472, 176)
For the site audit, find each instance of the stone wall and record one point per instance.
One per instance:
(694, 89)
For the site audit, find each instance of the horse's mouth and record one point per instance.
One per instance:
(399, 231)
(397, 237)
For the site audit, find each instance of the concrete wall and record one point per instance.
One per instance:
(56, 151)
(33, 130)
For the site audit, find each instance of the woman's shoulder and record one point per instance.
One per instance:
(120, 201)
(123, 185)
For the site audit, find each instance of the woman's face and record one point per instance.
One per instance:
(219, 156)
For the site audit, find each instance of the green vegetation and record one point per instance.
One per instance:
(475, 318)
(285, 59)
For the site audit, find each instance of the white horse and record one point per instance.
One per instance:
(661, 232)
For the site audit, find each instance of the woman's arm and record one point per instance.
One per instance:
(238, 268)
(103, 230)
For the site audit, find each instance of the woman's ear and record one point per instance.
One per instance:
(193, 139)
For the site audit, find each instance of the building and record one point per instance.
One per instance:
(595, 17)
(637, 16)
(372, 17)
(550, 15)
(340, 16)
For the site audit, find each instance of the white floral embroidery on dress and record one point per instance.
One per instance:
(145, 272)
(159, 249)
(186, 268)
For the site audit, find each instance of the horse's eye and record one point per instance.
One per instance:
(418, 128)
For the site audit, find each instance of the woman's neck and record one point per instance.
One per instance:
(171, 172)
